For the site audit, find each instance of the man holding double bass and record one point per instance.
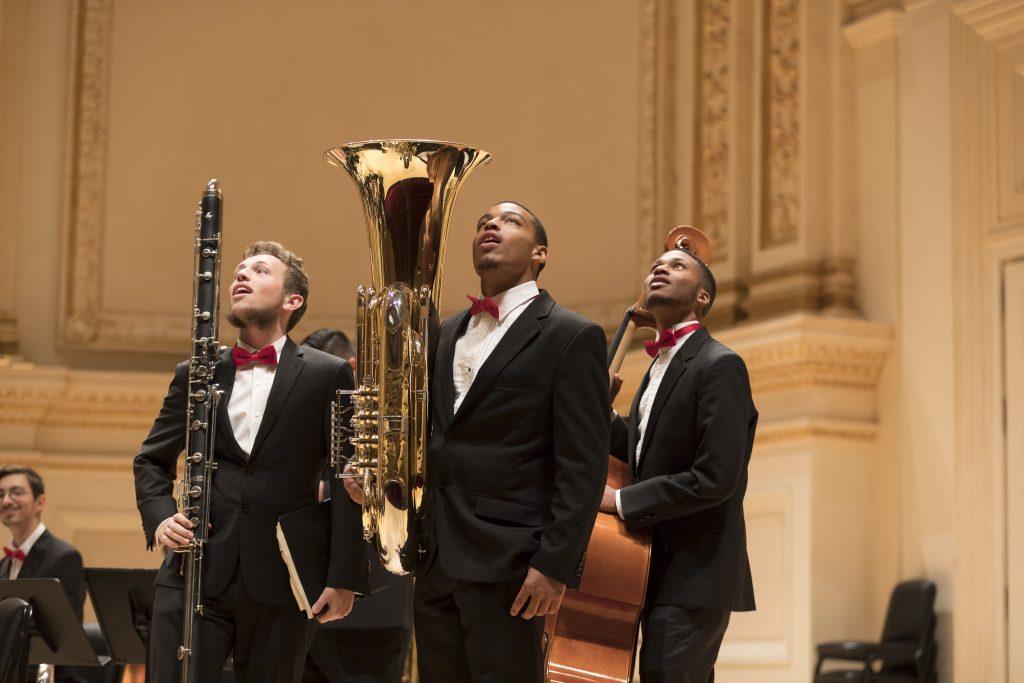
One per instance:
(687, 441)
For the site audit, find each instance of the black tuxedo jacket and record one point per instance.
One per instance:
(52, 558)
(692, 477)
(251, 492)
(515, 477)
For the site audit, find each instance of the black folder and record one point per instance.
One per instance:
(304, 537)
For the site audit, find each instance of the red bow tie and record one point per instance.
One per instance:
(668, 339)
(14, 554)
(485, 305)
(265, 356)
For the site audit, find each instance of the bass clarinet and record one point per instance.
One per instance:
(194, 490)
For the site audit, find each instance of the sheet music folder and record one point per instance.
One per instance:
(304, 537)
(57, 635)
(123, 600)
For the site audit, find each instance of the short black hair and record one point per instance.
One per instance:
(707, 280)
(328, 340)
(34, 480)
(539, 231)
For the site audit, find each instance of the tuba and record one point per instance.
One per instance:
(407, 188)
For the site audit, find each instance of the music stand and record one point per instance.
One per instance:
(123, 600)
(57, 636)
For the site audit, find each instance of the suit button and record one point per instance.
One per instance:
(248, 473)
(441, 482)
(448, 437)
(245, 508)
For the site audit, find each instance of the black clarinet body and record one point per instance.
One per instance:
(195, 488)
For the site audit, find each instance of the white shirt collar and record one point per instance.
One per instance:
(515, 297)
(31, 540)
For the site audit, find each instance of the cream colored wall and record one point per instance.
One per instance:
(870, 316)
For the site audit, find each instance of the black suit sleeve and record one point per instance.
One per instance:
(68, 568)
(723, 405)
(620, 438)
(348, 566)
(580, 448)
(156, 463)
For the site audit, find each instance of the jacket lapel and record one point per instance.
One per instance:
(225, 378)
(289, 367)
(5, 568)
(674, 372)
(634, 422)
(445, 362)
(34, 560)
(523, 330)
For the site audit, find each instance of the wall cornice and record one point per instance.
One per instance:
(34, 398)
(804, 351)
(813, 376)
(874, 28)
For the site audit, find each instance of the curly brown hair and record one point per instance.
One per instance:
(296, 281)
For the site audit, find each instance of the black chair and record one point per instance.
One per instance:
(15, 625)
(906, 651)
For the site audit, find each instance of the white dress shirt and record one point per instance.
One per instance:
(248, 402)
(655, 374)
(483, 334)
(249, 397)
(26, 548)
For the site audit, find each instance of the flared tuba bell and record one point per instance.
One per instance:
(408, 188)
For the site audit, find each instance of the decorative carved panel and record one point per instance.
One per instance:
(713, 173)
(780, 214)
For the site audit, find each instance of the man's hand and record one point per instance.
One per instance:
(353, 486)
(613, 388)
(174, 532)
(544, 596)
(608, 500)
(334, 603)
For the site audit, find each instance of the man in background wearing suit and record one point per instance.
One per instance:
(515, 464)
(371, 643)
(687, 441)
(272, 444)
(34, 552)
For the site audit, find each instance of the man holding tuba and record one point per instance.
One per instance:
(687, 440)
(516, 463)
(272, 445)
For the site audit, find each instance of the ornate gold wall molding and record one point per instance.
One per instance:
(780, 215)
(809, 286)
(62, 398)
(85, 322)
(786, 432)
(713, 176)
(803, 351)
(871, 28)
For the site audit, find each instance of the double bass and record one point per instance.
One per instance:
(592, 638)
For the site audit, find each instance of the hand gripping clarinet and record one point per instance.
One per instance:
(203, 397)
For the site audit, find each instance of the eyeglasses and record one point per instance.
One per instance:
(15, 492)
